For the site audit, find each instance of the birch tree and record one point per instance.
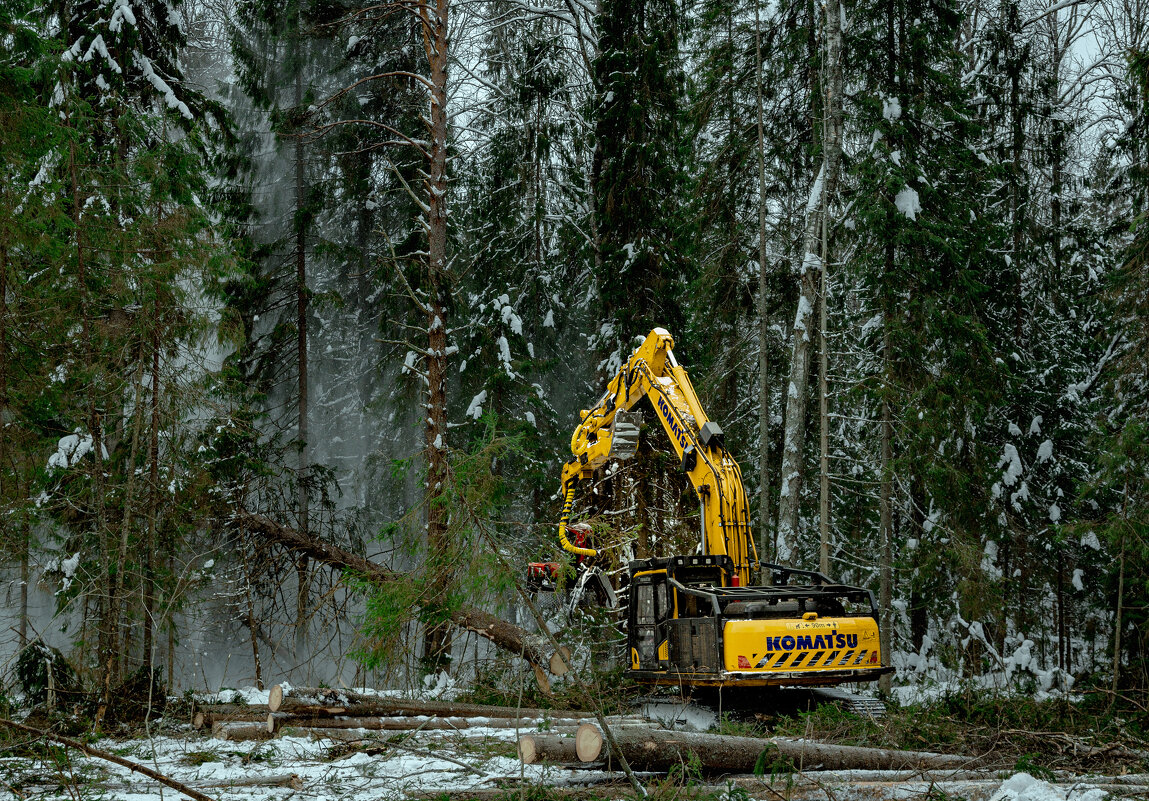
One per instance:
(822, 193)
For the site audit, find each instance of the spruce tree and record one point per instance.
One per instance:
(640, 273)
(924, 263)
(132, 173)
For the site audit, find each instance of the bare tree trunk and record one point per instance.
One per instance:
(885, 591)
(107, 639)
(153, 494)
(832, 132)
(301, 566)
(434, 19)
(23, 624)
(116, 599)
(825, 185)
(824, 439)
(252, 620)
(1120, 602)
(656, 749)
(25, 574)
(763, 320)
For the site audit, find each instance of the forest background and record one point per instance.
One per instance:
(353, 269)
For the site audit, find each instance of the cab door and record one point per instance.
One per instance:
(650, 609)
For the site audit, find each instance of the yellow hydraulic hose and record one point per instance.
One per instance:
(568, 498)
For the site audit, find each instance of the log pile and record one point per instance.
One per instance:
(340, 714)
(562, 737)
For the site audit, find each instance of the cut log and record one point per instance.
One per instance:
(534, 748)
(239, 731)
(655, 749)
(322, 701)
(205, 717)
(588, 742)
(560, 661)
(504, 635)
(848, 757)
(277, 721)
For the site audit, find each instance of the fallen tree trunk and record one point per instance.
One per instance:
(655, 749)
(500, 633)
(321, 701)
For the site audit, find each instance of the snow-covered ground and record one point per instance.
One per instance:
(430, 762)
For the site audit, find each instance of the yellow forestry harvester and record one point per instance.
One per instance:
(698, 619)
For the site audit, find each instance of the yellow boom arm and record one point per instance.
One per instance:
(607, 432)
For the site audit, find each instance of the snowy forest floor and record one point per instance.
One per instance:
(1032, 763)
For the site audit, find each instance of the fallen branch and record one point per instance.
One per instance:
(118, 760)
(504, 635)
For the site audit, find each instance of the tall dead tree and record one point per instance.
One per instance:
(810, 268)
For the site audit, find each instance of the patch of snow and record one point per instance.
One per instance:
(1023, 787)
(161, 86)
(475, 410)
(1044, 451)
(1011, 460)
(891, 108)
(805, 310)
(71, 449)
(907, 203)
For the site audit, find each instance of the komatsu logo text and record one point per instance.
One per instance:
(675, 429)
(806, 642)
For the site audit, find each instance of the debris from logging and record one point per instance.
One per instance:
(292, 780)
(118, 760)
